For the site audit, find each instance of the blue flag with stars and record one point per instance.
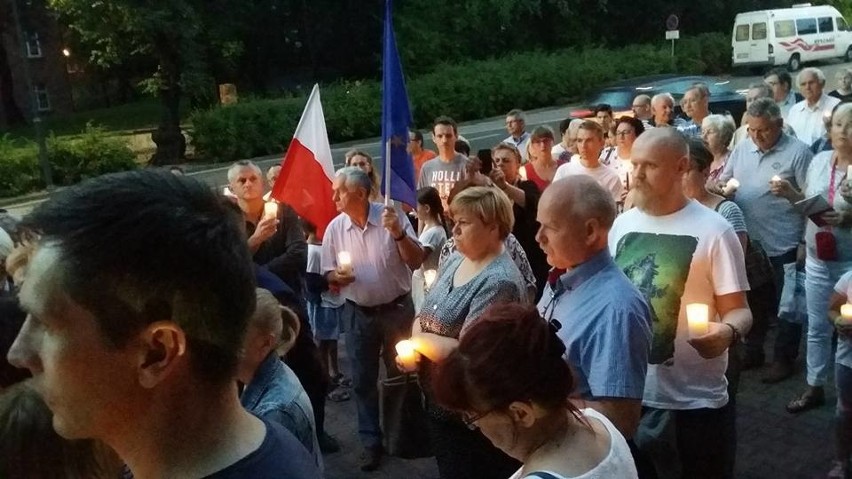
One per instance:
(396, 118)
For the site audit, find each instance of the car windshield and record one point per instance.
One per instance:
(614, 98)
(678, 88)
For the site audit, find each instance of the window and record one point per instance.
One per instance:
(41, 97)
(806, 26)
(33, 46)
(742, 33)
(841, 25)
(826, 24)
(758, 31)
(785, 29)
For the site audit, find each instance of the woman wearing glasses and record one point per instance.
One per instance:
(508, 379)
(477, 275)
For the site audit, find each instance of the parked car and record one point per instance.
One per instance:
(620, 95)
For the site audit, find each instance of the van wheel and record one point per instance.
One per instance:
(848, 57)
(794, 63)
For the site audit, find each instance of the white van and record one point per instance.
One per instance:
(790, 36)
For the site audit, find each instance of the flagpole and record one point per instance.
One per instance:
(387, 172)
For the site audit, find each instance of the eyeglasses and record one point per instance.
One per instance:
(624, 133)
(470, 420)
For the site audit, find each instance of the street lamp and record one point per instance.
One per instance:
(37, 125)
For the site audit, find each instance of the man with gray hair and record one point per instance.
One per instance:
(754, 163)
(276, 243)
(755, 91)
(369, 252)
(516, 123)
(662, 107)
(807, 117)
(696, 105)
(607, 331)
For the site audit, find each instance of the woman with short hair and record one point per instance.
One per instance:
(717, 132)
(477, 275)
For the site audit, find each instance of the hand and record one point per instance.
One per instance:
(473, 166)
(407, 366)
(266, 227)
(801, 255)
(715, 342)
(846, 190)
(836, 218)
(782, 188)
(844, 328)
(390, 220)
(341, 278)
(716, 187)
(498, 177)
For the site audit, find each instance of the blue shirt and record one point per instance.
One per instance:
(770, 219)
(380, 273)
(606, 328)
(275, 394)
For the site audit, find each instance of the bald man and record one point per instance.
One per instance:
(608, 324)
(677, 253)
(642, 109)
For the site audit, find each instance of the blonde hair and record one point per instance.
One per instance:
(490, 205)
(270, 317)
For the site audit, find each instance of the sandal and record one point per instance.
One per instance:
(810, 399)
(338, 395)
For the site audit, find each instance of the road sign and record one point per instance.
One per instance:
(672, 22)
(673, 35)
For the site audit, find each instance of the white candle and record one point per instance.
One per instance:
(775, 179)
(846, 312)
(429, 277)
(344, 262)
(697, 319)
(270, 210)
(406, 354)
(849, 173)
(731, 186)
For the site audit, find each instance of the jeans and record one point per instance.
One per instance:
(820, 277)
(843, 413)
(368, 337)
(789, 333)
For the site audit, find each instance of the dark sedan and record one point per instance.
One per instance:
(620, 95)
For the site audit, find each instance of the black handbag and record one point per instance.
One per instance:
(403, 417)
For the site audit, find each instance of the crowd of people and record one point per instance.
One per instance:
(579, 305)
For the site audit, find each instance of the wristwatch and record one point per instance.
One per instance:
(736, 337)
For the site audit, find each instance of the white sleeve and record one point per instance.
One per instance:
(561, 172)
(727, 264)
(844, 285)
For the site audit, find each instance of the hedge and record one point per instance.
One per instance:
(467, 91)
(90, 154)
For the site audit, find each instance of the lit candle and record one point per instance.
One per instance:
(406, 354)
(846, 312)
(344, 262)
(731, 186)
(775, 179)
(270, 210)
(429, 277)
(697, 319)
(849, 173)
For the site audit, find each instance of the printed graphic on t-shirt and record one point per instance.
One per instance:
(443, 181)
(658, 265)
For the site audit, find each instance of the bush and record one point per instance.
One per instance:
(467, 91)
(90, 154)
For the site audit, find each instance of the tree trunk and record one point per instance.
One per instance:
(171, 144)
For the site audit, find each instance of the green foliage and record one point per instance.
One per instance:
(463, 91)
(87, 155)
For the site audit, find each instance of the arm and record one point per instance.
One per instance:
(433, 346)
(403, 235)
(734, 311)
(290, 247)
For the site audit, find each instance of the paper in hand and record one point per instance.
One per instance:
(813, 208)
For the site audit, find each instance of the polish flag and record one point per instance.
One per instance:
(306, 171)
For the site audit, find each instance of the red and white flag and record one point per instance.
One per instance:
(307, 170)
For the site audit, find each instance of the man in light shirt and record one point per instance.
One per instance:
(781, 84)
(807, 116)
(516, 124)
(590, 143)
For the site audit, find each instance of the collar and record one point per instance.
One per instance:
(782, 142)
(817, 107)
(521, 138)
(266, 373)
(574, 278)
(374, 216)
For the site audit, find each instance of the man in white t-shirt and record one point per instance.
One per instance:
(590, 143)
(678, 252)
(807, 118)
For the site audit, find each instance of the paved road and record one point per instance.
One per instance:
(483, 133)
(772, 444)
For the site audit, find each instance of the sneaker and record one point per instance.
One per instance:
(371, 458)
(327, 443)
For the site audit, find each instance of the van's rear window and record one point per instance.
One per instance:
(742, 33)
(785, 28)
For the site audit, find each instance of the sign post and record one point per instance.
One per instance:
(672, 33)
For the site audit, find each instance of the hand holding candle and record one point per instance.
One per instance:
(731, 187)
(846, 313)
(775, 179)
(697, 319)
(406, 356)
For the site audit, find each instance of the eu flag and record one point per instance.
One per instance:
(396, 118)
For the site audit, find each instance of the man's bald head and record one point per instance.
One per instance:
(579, 198)
(660, 158)
(664, 140)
